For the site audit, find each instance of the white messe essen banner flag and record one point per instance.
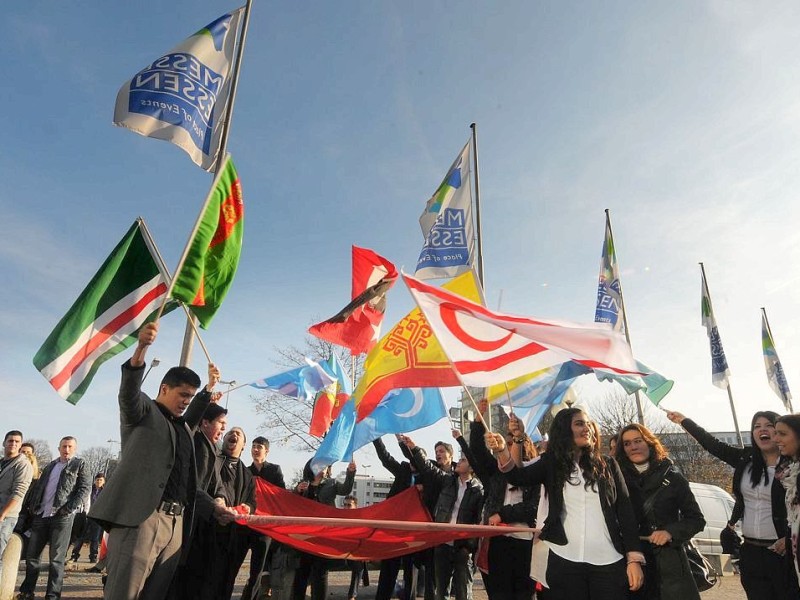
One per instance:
(182, 96)
(487, 348)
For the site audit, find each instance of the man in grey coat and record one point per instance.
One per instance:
(16, 473)
(149, 504)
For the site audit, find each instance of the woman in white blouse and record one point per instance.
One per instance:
(764, 569)
(591, 530)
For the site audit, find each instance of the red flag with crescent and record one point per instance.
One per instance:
(488, 348)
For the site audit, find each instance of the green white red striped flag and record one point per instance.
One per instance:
(207, 271)
(122, 296)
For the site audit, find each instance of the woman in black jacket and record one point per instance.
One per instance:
(765, 572)
(603, 561)
(667, 511)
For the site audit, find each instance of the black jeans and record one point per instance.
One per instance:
(569, 580)
(455, 561)
(55, 532)
(764, 574)
(509, 569)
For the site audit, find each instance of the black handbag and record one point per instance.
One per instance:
(704, 573)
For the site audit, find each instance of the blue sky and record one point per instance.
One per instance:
(682, 118)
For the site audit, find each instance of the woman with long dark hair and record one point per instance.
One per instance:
(764, 572)
(787, 436)
(591, 532)
(667, 511)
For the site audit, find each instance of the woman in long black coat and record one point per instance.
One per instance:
(667, 511)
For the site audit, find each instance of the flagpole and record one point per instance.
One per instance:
(191, 323)
(151, 244)
(786, 401)
(479, 239)
(727, 382)
(639, 409)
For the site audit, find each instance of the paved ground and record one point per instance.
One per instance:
(79, 585)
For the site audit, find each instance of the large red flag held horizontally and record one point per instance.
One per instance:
(358, 325)
(368, 533)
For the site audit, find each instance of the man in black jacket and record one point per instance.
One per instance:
(261, 547)
(460, 501)
(405, 475)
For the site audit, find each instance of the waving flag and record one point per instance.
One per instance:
(488, 348)
(447, 224)
(206, 274)
(775, 373)
(409, 355)
(105, 319)
(303, 382)
(611, 309)
(332, 398)
(358, 325)
(609, 294)
(182, 96)
(400, 411)
(719, 365)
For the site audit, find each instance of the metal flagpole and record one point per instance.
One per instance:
(479, 239)
(727, 382)
(191, 323)
(151, 244)
(786, 401)
(639, 409)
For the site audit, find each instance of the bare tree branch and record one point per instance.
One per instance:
(288, 419)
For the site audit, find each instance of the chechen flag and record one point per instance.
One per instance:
(125, 293)
(358, 325)
(487, 348)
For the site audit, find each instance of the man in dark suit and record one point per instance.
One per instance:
(260, 545)
(149, 504)
(54, 500)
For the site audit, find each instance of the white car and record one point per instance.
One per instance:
(717, 506)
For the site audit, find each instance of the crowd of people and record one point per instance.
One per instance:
(607, 525)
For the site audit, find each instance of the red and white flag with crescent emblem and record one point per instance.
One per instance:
(488, 348)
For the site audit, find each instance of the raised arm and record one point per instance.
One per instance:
(724, 452)
(387, 460)
(484, 464)
(345, 487)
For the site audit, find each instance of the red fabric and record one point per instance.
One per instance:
(357, 325)
(359, 542)
(321, 416)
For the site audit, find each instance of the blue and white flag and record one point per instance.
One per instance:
(303, 382)
(400, 411)
(775, 373)
(182, 96)
(609, 295)
(610, 309)
(719, 365)
(447, 225)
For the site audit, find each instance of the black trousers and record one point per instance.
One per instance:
(764, 574)
(569, 580)
(509, 569)
(313, 570)
(387, 578)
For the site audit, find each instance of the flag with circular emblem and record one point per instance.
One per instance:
(205, 277)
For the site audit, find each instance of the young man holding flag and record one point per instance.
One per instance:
(148, 506)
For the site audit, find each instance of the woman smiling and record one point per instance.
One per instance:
(765, 573)
(787, 436)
